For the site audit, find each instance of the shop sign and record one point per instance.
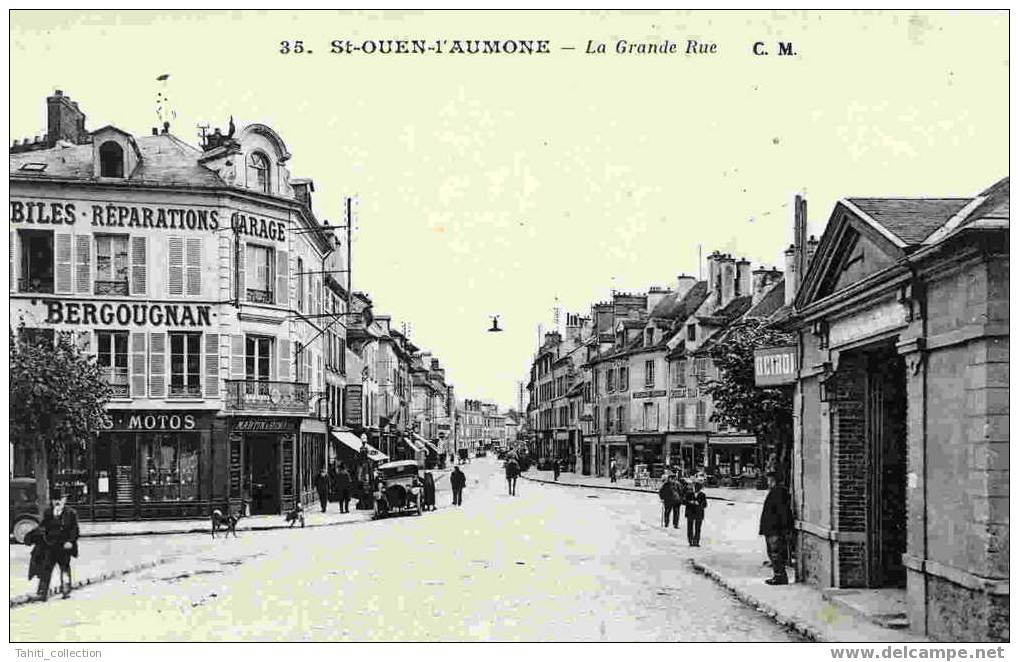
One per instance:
(260, 228)
(264, 425)
(562, 436)
(866, 323)
(353, 396)
(684, 392)
(90, 313)
(111, 215)
(774, 366)
(648, 394)
(151, 421)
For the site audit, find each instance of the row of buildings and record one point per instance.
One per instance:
(897, 368)
(219, 307)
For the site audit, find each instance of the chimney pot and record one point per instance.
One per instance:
(155, 131)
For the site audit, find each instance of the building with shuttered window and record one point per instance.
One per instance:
(194, 275)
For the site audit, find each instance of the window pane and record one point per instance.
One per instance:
(160, 476)
(189, 483)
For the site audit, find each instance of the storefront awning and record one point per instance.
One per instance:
(414, 444)
(352, 442)
(435, 449)
(735, 440)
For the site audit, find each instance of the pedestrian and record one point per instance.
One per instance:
(55, 542)
(457, 481)
(696, 503)
(429, 491)
(512, 472)
(343, 481)
(333, 494)
(672, 500)
(612, 471)
(776, 525)
(556, 468)
(322, 487)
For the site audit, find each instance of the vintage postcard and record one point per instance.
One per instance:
(509, 326)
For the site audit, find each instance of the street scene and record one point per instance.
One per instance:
(491, 352)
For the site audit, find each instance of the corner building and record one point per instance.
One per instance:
(194, 277)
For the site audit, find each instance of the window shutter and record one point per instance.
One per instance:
(175, 282)
(138, 365)
(283, 279)
(139, 266)
(63, 262)
(13, 264)
(284, 356)
(237, 356)
(212, 365)
(320, 372)
(242, 283)
(307, 365)
(193, 266)
(157, 365)
(700, 414)
(83, 263)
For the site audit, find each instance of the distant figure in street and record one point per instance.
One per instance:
(512, 472)
(428, 492)
(343, 481)
(556, 468)
(457, 481)
(696, 502)
(322, 487)
(56, 541)
(333, 494)
(776, 524)
(672, 500)
(612, 471)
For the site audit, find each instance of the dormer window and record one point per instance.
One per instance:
(111, 160)
(258, 172)
(691, 332)
(649, 337)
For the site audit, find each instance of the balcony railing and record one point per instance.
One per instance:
(117, 378)
(251, 394)
(44, 285)
(115, 287)
(185, 391)
(259, 296)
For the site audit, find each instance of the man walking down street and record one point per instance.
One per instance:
(556, 468)
(343, 488)
(696, 503)
(612, 471)
(512, 472)
(776, 524)
(671, 502)
(322, 487)
(56, 541)
(457, 481)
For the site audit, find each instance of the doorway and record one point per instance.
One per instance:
(885, 416)
(263, 473)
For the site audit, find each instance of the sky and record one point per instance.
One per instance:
(495, 185)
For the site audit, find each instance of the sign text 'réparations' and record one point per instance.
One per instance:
(112, 215)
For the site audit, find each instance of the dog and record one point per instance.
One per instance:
(296, 515)
(227, 522)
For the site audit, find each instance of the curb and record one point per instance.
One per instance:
(206, 530)
(22, 600)
(787, 622)
(619, 489)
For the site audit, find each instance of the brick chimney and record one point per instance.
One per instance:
(763, 280)
(64, 120)
(303, 189)
(727, 269)
(684, 284)
(655, 295)
(743, 286)
(791, 274)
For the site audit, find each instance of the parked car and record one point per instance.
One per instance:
(398, 488)
(24, 513)
(480, 454)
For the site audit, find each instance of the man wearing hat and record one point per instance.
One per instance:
(696, 503)
(776, 525)
(56, 541)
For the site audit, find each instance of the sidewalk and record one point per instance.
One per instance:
(732, 555)
(626, 485)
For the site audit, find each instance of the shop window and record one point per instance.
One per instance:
(71, 471)
(169, 467)
(258, 172)
(185, 365)
(260, 273)
(258, 358)
(111, 159)
(37, 261)
(112, 360)
(112, 265)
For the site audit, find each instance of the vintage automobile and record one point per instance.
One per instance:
(398, 489)
(24, 517)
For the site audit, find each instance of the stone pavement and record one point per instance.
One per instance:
(733, 555)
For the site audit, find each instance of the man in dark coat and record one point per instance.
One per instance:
(457, 481)
(556, 468)
(671, 501)
(343, 481)
(322, 487)
(512, 472)
(776, 524)
(696, 503)
(56, 541)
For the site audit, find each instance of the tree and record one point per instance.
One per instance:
(765, 412)
(57, 397)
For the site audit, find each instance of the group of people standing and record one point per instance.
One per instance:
(675, 494)
(55, 542)
(336, 481)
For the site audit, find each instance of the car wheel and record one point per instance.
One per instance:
(22, 528)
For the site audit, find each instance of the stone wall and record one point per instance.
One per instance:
(956, 613)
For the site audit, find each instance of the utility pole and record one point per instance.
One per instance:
(350, 270)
